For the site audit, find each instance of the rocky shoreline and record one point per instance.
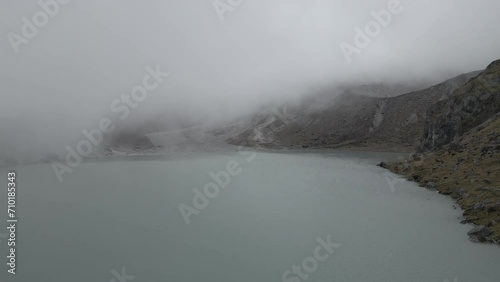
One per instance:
(460, 153)
(468, 171)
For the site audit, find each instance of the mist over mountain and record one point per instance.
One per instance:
(359, 116)
(63, 76)
(250, 140)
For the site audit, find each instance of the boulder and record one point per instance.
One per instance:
(479, 234)
(431, 185)
(382, 165)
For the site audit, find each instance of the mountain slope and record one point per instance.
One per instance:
(468, 107)
(346, 120)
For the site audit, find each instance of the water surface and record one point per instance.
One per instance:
(125, 213)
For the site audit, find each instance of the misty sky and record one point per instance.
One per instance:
(66, 77)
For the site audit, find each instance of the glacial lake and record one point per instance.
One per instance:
(269, 217)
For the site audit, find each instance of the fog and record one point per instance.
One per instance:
(223, 59)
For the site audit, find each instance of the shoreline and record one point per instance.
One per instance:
(480, 206)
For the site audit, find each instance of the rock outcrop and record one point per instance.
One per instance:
(479, 234)
(468, 107)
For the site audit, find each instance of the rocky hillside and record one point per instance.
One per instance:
(346, 120)
(469, 106)
(461, 152)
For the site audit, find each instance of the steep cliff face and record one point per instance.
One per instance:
(470, 105)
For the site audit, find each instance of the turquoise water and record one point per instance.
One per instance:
(272, 214)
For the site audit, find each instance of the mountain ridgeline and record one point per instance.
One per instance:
(348, 120)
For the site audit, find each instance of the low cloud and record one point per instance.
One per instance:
(91, 52)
